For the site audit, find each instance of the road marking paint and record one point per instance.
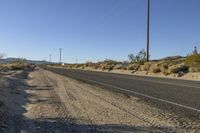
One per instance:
(144, 95)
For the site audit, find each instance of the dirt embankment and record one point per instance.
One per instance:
(47, 102)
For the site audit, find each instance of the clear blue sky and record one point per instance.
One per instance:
(97, 29)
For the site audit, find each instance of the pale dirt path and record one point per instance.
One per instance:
(58, 104)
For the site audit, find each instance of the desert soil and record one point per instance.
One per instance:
(44, 102)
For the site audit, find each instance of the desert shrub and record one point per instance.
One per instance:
(19, 61)
(134, 67)
(110, 62)
(78, 65)
(193, 60)
(194, 69)
(71, 66)
(107, 66)
(146, 66)
(155, 68)
(1, 67)
(125, 64)
(118, 66)
(163, 67)
(183, 68)
(88, 64)
(96, 66)
(140, 57)
(178, 68)
(16, 66)
(174, 69)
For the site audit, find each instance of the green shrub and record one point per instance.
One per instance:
(193, 60)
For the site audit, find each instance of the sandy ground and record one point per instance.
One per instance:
(49, 103)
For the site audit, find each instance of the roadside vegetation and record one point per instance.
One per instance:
(18, 64)
(174, 65)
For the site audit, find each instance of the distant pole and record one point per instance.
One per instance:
(148, 29)
(50, 59)
(60, 55)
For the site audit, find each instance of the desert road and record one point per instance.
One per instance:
(180, 95)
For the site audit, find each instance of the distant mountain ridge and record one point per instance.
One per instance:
(9, 60)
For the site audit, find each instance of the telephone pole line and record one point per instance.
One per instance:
(148, 30)
(60, 55)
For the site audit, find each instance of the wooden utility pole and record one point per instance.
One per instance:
(148, 30)
(50, 59)
(60, 56)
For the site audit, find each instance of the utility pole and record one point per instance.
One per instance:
(60, 55)
(148, 29)
(50, 59)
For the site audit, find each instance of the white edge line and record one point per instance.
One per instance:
(144, 95)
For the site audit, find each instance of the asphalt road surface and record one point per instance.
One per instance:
(180, 95)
